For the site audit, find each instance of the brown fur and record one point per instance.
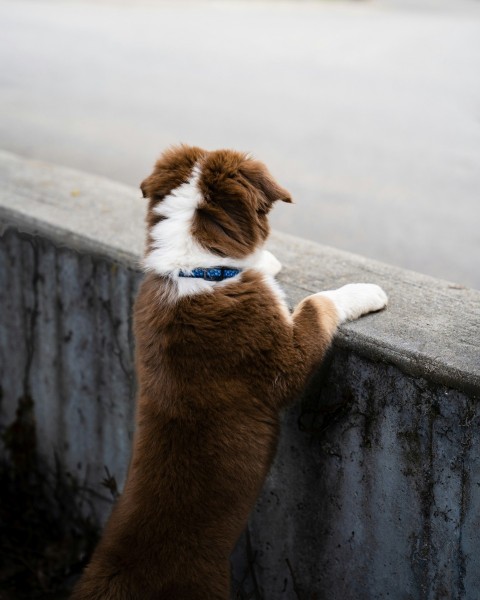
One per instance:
(238, 195)
(214, 372)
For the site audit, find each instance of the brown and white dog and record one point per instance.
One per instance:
(216, 361)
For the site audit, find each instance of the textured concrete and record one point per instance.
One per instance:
(375, 490)
(66, 343)
(378, 499)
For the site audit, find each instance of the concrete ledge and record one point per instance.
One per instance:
(378, 496)
(431, 328)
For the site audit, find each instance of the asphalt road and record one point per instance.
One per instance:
(369, 112)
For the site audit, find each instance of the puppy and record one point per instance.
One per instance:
(218, 356)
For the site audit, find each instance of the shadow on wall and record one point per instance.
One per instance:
(45, 533)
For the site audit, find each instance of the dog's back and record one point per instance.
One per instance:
(206, 432)
(216, 361)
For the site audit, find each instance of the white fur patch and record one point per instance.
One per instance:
(356, 299)
(268, 264)
(175, 249)
(173, 246)
(278, 293)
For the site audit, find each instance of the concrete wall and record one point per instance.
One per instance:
(66, 343)
(379, 499)
(375, 491)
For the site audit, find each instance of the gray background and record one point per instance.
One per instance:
(369, 112)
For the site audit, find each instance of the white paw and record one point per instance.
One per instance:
(269, 264)
(356, 299)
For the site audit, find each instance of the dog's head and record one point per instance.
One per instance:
(216, 201)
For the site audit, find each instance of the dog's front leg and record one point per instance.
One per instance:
(356, 299)
(315, 322)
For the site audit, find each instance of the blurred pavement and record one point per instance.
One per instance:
(369, 112)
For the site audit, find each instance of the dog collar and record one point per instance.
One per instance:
(211, 274)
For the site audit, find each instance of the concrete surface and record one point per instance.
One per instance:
(376, 500)
(66, 343)
(367, 111)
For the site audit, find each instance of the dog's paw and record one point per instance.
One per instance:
(269, 264)
(356, 299)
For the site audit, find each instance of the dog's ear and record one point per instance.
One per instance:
(259, 176)
(173, 168)
(145, 186)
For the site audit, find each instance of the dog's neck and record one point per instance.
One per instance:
(262, 261)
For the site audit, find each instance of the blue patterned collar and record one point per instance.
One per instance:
(211, 274)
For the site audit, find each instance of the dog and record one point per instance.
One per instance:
(218, 356)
